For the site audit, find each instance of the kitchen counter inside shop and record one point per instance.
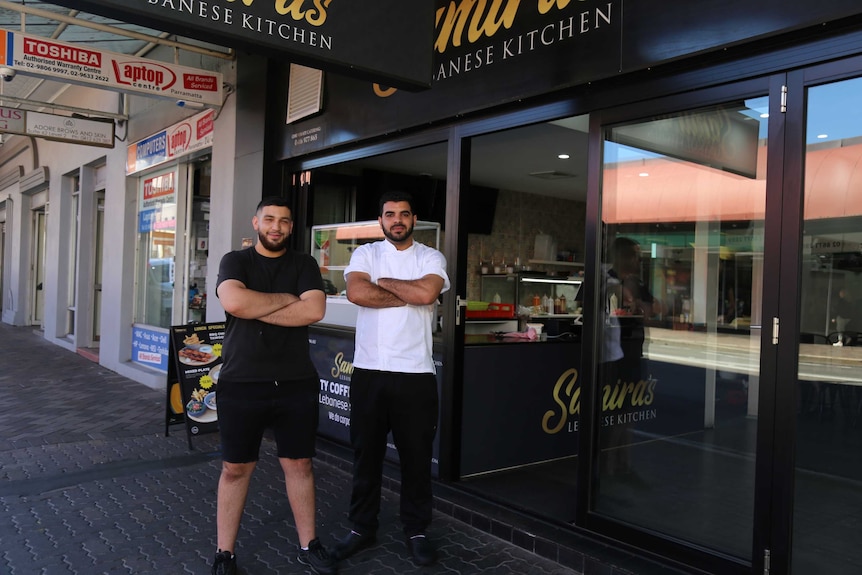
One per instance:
(510, 384)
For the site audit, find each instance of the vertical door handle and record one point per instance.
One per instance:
(459, 305)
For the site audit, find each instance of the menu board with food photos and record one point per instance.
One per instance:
(193, 369)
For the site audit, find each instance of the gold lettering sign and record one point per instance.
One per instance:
(315, 15)
(464, 22)
(341, 366)
(567, 396)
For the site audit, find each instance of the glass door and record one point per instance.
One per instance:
(98, 268)
(197, 242)
(828, 455)
(40, 235)
(679, 316)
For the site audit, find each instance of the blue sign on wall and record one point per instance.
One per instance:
(150, 347)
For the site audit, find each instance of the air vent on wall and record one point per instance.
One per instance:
(552, 175)
(305, 92)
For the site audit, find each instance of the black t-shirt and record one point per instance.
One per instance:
(258, 351)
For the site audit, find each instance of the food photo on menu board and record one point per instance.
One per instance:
(198, 356)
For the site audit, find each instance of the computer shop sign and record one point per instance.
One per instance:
(79, 64)
(184, 137)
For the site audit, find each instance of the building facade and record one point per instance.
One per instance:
(682, 186)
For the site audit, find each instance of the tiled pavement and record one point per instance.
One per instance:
(89, 484)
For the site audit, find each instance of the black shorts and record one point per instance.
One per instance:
(246, 410)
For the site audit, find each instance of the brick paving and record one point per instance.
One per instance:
(89, 484)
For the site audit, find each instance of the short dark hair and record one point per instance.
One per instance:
(396, 196)
(624, 248)
(273, 201)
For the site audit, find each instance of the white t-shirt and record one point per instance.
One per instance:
(396, 338)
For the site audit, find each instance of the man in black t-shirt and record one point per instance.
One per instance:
(270, 295)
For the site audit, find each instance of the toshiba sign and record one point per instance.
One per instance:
(38, 56)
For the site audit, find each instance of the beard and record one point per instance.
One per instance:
(398, 237)
(270, 245)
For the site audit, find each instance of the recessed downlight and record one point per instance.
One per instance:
(563, 156)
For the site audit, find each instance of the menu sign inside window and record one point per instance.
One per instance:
(193, 371)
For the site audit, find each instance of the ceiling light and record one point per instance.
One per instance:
(822, 136)
(644, 174)
(563, 156)
(764, 115)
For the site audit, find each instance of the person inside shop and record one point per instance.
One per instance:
(628, 302)
(396, 283)
(843, 311)
(270, 295)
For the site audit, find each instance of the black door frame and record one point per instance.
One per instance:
(766, 459)
(788, 244)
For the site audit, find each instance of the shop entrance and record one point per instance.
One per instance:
(39, 239)
(524, 214)
(679, 320)
(197, 243)
(173, 243)
(726, 402)
(98, 244)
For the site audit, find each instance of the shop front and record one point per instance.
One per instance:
(172, 170)
(650, 337)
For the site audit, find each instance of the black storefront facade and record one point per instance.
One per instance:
(720, 142)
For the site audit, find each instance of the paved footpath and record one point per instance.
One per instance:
(89, 485)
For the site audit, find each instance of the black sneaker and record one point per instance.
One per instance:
(224, 564)
(317, 558)
(421, 550)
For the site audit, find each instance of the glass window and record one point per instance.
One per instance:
(157, 226)
(828, 474)
(198, 245)
(98, 265)
(683, 200)
(74, 220)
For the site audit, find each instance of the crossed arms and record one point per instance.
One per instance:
(282, 309)
(390, 292)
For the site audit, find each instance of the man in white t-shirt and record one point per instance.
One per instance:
(396, 283)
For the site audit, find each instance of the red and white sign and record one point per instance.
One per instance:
(158, 188)
(39, 56)
(175, 141)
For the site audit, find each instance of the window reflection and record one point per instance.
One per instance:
(683, 199)
(829, 400)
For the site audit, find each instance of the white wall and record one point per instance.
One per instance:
(232, 207)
